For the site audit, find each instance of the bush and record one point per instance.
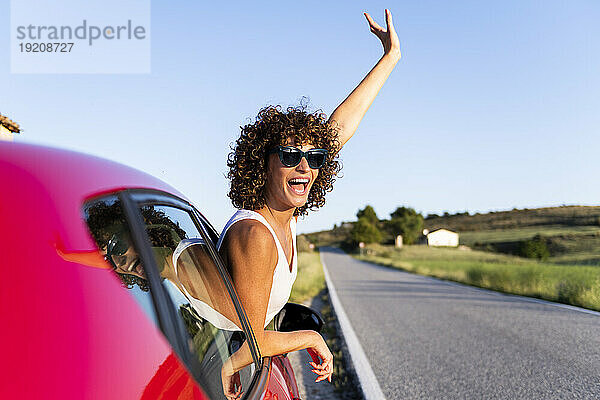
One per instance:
(303, 244)
(475, 275)
(535, 248)
(568, 291)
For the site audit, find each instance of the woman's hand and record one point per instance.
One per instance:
(322, 360)
(351, 111)
(389, 39)
(232, 386)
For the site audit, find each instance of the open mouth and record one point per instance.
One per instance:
(299, 185)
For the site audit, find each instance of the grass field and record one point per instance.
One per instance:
(570, 284)
(310, 280)
(567, 216)
(567, 245)
(491, 236)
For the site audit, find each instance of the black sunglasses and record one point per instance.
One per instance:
(291, 156)
(116, 246)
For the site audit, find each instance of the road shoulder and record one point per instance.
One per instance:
(344, 384)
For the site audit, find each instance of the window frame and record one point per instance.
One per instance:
(142, 198)
(169, 323)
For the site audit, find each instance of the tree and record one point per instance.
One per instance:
(536, 247)
(365, 231)
(369, 214)
(406, 222)
(303, 244)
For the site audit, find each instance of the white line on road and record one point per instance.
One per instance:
(368, 381)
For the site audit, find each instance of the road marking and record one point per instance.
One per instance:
(368, 381)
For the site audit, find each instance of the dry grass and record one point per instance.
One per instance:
(310, 280)
(571, 284)
(492, 236)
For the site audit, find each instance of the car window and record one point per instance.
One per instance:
(188, 274)
(198, 292)
(109, 228)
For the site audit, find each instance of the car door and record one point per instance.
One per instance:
(163, 250)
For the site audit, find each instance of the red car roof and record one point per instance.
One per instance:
(91, 175)
(70, 330)
(61, 181)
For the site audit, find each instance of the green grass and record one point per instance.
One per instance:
(567, 245)
(567, 216)
(571, 284)
(504, 235)
(310, 280)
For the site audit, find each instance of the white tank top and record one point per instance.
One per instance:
(283, 278)
(206, 311)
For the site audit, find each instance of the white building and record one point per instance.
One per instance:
(442, 237)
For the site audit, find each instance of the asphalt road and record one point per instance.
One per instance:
(428, 339)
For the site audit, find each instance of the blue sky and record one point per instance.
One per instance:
(493, 105)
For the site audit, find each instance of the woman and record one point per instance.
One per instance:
(281, 166)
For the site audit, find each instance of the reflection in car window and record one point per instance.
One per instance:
(108, 226)
(198, 292)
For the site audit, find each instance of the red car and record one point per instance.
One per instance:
(111, 280)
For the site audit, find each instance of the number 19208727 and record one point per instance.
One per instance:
(55, 47)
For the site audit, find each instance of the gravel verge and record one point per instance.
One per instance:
(344, 384)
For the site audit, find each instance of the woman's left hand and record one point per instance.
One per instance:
(389, 38)
(232, 387)
(322, 358)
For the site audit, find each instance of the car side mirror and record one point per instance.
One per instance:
(296, 317)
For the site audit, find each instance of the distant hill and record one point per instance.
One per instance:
(332, 237)
(567, 216)
(571, 233)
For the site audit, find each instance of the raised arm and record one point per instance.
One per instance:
(351, 111)
(251, 254)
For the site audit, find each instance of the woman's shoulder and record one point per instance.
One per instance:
(249, 230)
(241, 219)
(246, 221)
(251, 238)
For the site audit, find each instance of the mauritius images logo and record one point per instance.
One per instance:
(84, 32)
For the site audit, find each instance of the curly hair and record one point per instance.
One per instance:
(106, 219)
(247, 161)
